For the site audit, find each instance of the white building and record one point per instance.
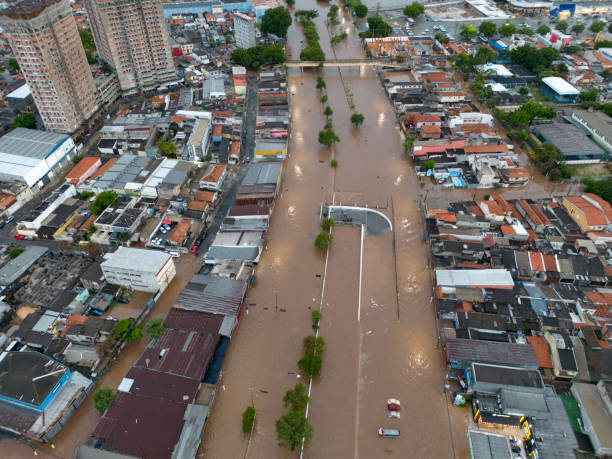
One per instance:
(31, 156)
(244, 30)
(139, 269)
(197, 145)
(471, 118)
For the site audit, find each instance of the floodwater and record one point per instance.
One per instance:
(80, 426)
(386, 349)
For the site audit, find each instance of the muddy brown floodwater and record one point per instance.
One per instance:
(391, 351)
(82, 423)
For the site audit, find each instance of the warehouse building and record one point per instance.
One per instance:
(31, 156)
(573, 144)
(139, 269)
(559, 90)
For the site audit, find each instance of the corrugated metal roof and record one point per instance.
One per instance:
(474, 277)
(485, 445)
(30, 143)
(204, 322)
(141, 426)
(214, 294)
(165, 386)
(180, 352)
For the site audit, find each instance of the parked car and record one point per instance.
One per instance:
(389, 433)
(194, 249)
(10, 219)
(19, 236)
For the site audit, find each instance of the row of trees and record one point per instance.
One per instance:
(324, 239)
(579, 27)
(259, 55)
(327, 136)
(293, 427)
(312, 51)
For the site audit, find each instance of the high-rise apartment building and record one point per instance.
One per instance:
(244, 30)
(46, 43)
(131, 37)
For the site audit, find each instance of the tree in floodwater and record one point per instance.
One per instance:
(297, 398)
(320, 83)
(323, 240)
(357, 119)
(292, 428)
(328, 137)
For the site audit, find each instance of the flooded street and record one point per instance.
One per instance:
(368, 360)
(82, 423)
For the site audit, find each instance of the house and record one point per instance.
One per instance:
(462, 353)
(418, 120)
(83, 170)
(93, 278)
(214, 179)
(161, 101)
(562, 353)
(533, 215)
(492, 211)
(589, 211)
(471, 118)
(517, 176)
(90, 331)
(430, 132)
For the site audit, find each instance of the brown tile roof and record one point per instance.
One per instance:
(499, 199)
(605, 205)
(541, 349)
(179, 232)
(427, 129)
(201, 206)
(203, 195)
(519, 172)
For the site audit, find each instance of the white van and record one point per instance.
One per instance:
(174, 254)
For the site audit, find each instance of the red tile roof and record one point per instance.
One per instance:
(428, 129)
(542, 351)
(83, 166)
(593, 215)
(215, 174)
(536, 261)
(204, 195)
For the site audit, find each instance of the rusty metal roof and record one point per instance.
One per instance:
(180, 352)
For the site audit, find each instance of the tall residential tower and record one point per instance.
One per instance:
(131, 37)
(46, 43)
(244, 30)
